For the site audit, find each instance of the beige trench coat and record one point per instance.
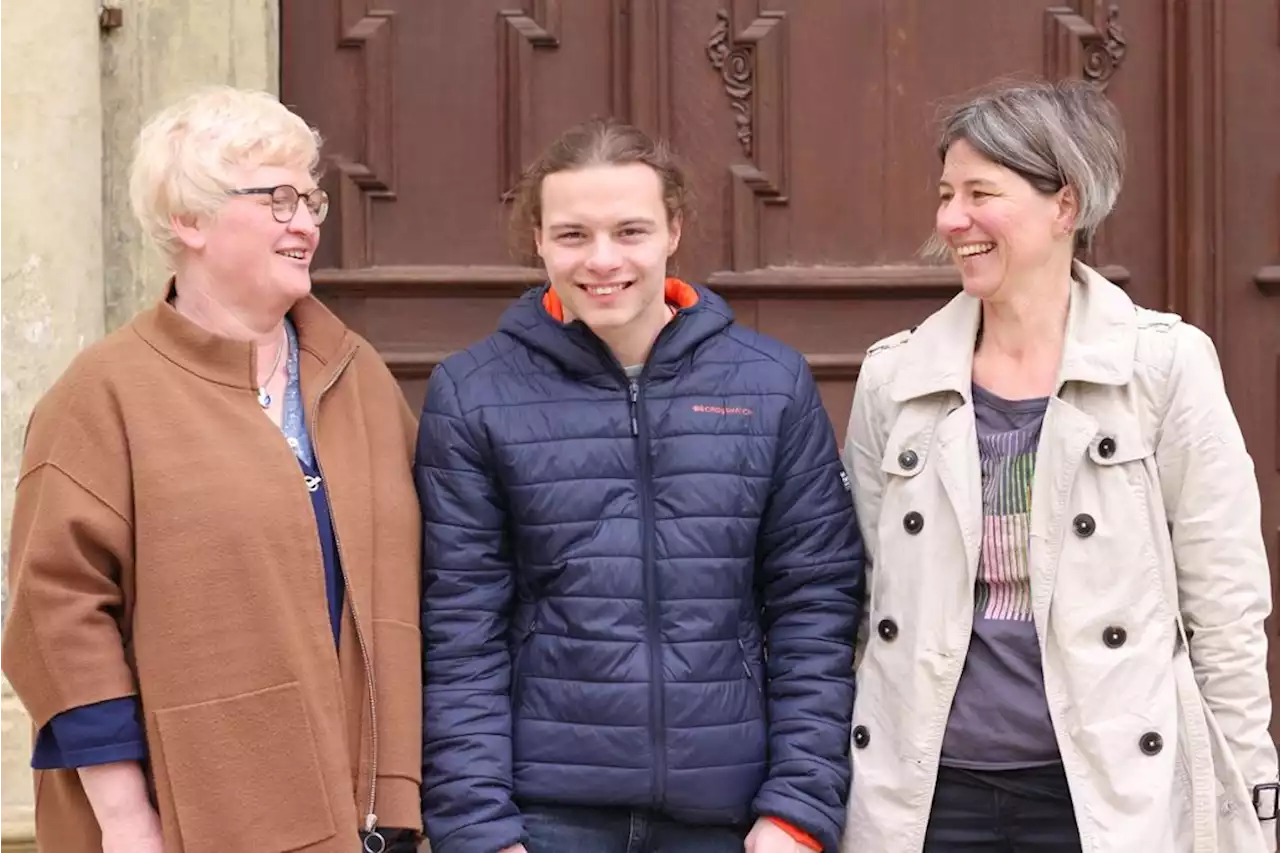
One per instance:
(1156, 531)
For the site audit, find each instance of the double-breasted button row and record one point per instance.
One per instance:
(887, 629)
(1084, 524)
(1151, 743)
(861, 737)
(1114, 636)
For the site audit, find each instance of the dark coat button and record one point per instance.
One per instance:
(1114, 636)
(1151, 743)
(1084, 525)
(908, 459)
(888, 630)
(913, 522)
(861, 737)
(1107, 447)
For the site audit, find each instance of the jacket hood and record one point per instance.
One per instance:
(536, 320)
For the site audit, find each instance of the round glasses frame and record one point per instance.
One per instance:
(285, 198)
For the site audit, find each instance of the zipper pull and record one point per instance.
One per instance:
(374, 842)
(635, 399)
(746, 667)
(370, 821)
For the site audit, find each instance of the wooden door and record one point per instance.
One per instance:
(808, 128)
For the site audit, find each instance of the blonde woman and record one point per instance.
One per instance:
(1066, 649)
(215, 543)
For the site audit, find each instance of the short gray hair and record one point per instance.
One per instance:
(1053, 135)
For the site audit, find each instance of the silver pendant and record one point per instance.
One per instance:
(264, 399)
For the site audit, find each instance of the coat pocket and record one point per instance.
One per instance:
(244, 773)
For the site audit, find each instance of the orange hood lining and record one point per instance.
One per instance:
(677, 293)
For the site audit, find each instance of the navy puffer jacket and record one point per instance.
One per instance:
(638, 593)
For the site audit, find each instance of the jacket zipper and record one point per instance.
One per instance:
(639, 430)
(371, 819)
(640, 433)
(516, 683)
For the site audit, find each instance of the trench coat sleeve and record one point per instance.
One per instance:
(468, 585)
(70, 552)
(811, 574)
(1214, 513)
(863, 452)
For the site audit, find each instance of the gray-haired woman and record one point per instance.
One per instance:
(1066, 645)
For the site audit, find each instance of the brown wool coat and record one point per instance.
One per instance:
(164, 545)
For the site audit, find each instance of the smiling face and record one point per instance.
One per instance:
(605, 238)
(255, 265)
(999, 229)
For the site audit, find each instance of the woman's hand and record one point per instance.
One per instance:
(137, 834)
(117, 792)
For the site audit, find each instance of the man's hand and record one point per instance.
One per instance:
(514, 848)
(767, 837)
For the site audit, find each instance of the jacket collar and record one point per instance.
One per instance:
(536, 320)
(1101, 339)
(230, 362)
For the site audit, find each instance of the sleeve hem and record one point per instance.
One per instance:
(797, 834)
(71, 760)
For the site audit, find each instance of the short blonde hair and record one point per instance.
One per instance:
(185, 155)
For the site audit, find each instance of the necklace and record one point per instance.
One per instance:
(264, 399)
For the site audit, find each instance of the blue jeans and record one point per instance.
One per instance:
(568, 829)
(1007, 811)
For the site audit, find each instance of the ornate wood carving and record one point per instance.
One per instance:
(354, 183)
(753, 65)
(1085, 40)
(736, 65)
(520, 34)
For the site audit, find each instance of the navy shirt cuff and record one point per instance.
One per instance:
(101, 733)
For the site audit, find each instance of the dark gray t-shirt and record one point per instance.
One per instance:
(1000, 719)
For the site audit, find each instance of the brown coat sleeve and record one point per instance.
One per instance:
(71, 554)
(63, 643)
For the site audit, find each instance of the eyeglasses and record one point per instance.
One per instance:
(284, 201)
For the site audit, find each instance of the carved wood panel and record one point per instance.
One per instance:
(520, 34)
(748, 47)
(358, 179)
(1084, 40)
